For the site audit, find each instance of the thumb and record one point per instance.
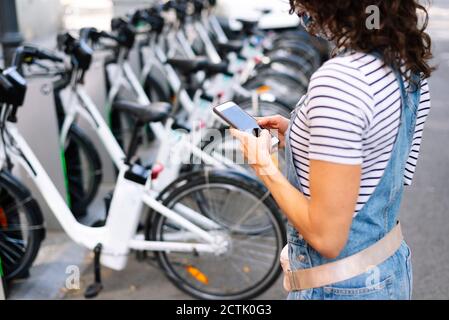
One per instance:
(262, 121)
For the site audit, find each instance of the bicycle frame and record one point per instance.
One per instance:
(118, 236)
(235, 64)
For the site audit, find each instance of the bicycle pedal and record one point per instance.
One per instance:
(93, 290)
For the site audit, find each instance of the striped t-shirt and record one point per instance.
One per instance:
(351, 115)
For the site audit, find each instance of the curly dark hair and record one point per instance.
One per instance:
(401, 37)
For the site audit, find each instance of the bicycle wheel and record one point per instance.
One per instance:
(121, 125)
(290, 65)
(266, 108)
(21, 227)
(156, 87)
(320, 44)
(248, 218)
(281, 86)
(299, 48)
(83, 170)
(226, 146)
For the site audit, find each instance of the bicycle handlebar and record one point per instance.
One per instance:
(5, 84)
(150, 17)
(126, 34)
(27, 54)
(12, 89)
(79, 51)
(94, 35)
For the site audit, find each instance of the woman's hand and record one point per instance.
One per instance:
(278, 123)
(257, 150)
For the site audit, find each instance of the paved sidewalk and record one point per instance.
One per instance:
(145, 281)
(48, 274)
(139, 281)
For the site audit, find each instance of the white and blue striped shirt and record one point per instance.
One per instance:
(351, 116)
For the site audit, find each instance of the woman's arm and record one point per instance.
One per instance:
(325, 220)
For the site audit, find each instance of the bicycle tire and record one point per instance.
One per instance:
(322, 45)
(296, 64)
(84, 170)
(302, 49)
(180, 188)
(281, 85)
(157, 88)
(14, 195)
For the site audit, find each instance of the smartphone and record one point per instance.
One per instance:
(239, 119)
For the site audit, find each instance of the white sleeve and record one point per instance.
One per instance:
(338, 111)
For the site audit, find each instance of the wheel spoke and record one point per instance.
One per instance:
(240, 272)
(7, 261)
(10, 249)
(9, 209)
(253, 209)
(253, 260)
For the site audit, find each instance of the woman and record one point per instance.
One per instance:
(351, 145)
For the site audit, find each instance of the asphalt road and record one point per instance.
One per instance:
(424, 214)
(425, 211)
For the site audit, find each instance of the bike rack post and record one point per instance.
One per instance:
(40, 129)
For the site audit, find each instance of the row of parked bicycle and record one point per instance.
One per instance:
(211, 225)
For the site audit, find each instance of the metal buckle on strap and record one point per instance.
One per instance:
(294, 286)
(348, 267)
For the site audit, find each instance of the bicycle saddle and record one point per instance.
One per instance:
(187, 66)
(154, 112)
(248, 24)
(230, 46)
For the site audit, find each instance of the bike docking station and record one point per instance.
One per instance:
(39, 126)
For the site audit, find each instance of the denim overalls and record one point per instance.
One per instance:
(393, 278)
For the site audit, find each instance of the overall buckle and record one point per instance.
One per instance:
(292, 281)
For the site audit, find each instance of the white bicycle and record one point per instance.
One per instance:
(216, 234)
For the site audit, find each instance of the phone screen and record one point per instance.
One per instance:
(240, 119)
